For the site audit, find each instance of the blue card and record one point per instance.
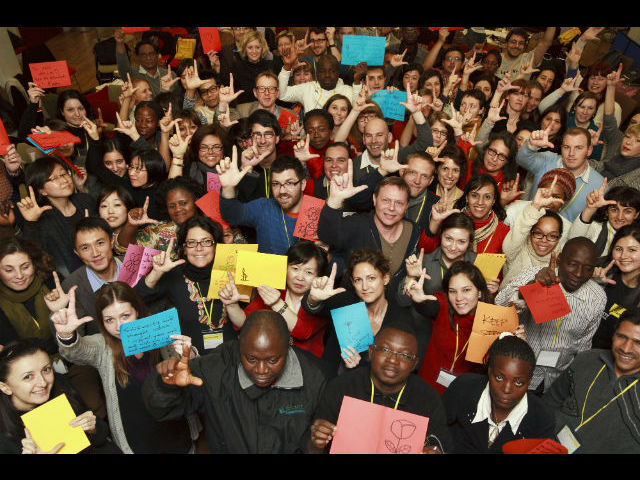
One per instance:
(352, 326)
(149, 333)
(362, 48)
(389, 103)
(38, 146)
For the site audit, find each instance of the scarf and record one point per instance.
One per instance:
(482, 232)
(199, 170)
(619, 165)
(12, 304)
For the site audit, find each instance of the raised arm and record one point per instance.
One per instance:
(430, 59)
(543, 45)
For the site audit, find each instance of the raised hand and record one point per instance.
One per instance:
(56, 299)
(214, 59)
(591, 33)
(229, 294)
(228, 171)
(571, 84)
(456, 121)
(436, 105)
(361, 103)
(540, 138)
(544, 197)
(596, 200)
(29, 446)
(440, 211)
(66, 320)
(600, 273)
(192, 78)
(342, 187)
(414, 103)
(301, 151)
(414, 264)
(167, 123)
(35, 93)
(177, 144)
(471, 66)
(127, 127)
(595, 135)
(181, 341)
(436, 151)
(452, 82)
(510, 191)
(614, 77)
(127, 88)
(12, 160)
(527, 68)
(269, 295)
(162, 262)
(398, 59)
(351, 357)
(443, 33)
(389, 161)
(138, 216)
(224, 119)
(228, 94)
(322, 432)
(86, 421)
(493, 286)
(166, 82)
(176, 371)
(322, 287)
(573, 57)
(415, 288)
(470, 137)
(547, 276)
(29, 207)
(504, 85)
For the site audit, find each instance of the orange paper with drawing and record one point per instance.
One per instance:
(490, 264)
(307, 222)
(225, 261)
(545, 303)
(50, 74)
(365, 427)
(490, 321)
(257, 269)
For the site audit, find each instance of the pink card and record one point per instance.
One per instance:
(50, 74)
(135, 29)
(545, 303)
(4, 139)
(213, 182)
(53, 139)
(365, 427)
(307, 223)
(286, 117)
(210, 39)
(210, 206)
(138, 261)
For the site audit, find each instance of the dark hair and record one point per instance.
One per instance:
(556, 138)
(596, 69)
(304, 250)
(472, 273)
(319, 112)
(154, 163)
(266, 119)
(122, 193)
(154, 106)
(92, 223)
(475, 183)
(632, 230)
(166, 99)
(629, 315)
(432, 73)
(438, 117)
(43, 263)
(268, 321)
(586, 95)
(457, 155)
(459, 220)
(477, 94)
(70, 95)
(510, 168)
(193, 152)
(512, 347)
(106, 295)
(555, 216)
(422, 156)
(144, 42)
(624, 195)
(574, 131)
(394, 181)
(287, 162)
(344, 145)
(367, 255)
(400, 325)
(452, 48)
(189, 185)
(520, 32)
(203, 222)
(333, 98)
(37, 174)
(490, 79)
(116, 144)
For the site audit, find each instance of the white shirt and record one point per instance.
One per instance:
(311, 94)
(515, 417)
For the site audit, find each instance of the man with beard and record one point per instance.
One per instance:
(556, 342)
(514, 56)
(273, 218)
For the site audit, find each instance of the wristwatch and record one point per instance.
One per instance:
(283, 308)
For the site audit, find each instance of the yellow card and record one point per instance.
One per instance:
(49, 426)
(185, 48)
(490, 264)
(225, 261)
(255, 269)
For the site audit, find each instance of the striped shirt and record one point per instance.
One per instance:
(568, 335)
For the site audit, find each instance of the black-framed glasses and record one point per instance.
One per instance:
(538, 235)
(210, 148)
(287, 185)
(205, 242)
(494, 153)
(389, 353)
(207, 91)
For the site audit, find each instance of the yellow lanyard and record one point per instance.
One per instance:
(454, 199)
(574, 195)
(555, 335)
(457, 355)
(266, 186)
(487, 244)
(399, 395)
(420, 211)
(582, 420)
(286, 232)
(209, 312)
(36, 322)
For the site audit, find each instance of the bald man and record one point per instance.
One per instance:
(256, 394)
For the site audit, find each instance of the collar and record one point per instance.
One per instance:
(607, 357)
(582, 293)
(365, 161)
(515, 417)
(291, 376)
(96, 282)
(584, 175)
(142, 70)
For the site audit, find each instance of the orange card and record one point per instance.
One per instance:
(545, 303)
(4, 139)
(50, 74)
(210, 39)
(307, 222)
(210, 206)
(490, 321)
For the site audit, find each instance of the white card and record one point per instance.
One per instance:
(567, 439)
(212, 340)
(547, 358)
(445, 378)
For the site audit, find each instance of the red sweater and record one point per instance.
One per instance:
(308, 332)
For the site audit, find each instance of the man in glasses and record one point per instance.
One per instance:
(213, 104)
(514, 56)
(388, 380)
(266, 92)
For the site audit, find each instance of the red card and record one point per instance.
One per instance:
(307, 223)
(135, 29)
(534, 446)
(210, 206)
(50, 74)
(4, 139)
(53, 139)
(284, 118)
(210, 39)
(545, 303)
(451, 29)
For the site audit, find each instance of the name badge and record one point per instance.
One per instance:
(568, 439)
(212, 338)
(445, 378)
(547, 358)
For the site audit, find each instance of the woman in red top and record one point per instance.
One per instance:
(452, 311)
(497, 160)
(305, 261)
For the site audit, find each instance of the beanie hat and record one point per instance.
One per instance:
(566, 181)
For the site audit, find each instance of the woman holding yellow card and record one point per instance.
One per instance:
(27, 380)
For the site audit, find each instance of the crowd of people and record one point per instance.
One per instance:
(503, 149)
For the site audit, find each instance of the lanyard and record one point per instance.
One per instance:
(209, 312)
(574, 195)
(420, 211)
(266, 186)
(555, 335)
(457, 355)
(487, 244)
(582, 420)
(399, 395)
(286, 232)
(454, 194)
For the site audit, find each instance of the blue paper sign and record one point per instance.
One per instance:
(47, 151)
(389, 103)
(150, 332)
(362, 48)
(352, 326)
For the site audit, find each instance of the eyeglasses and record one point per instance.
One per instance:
(405, 357)
(205, 242)
(58, 177)
(287, 185)
(318, 40)
(494, 153)
(538, 235)
(262, 89)
(440, 133)
(210, 148)
(207, 91)
(265, 135)
(366, 118)
(140, 168)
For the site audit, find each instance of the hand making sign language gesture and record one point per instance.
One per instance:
(547, 276)
(322, 288)
(228, 94)
(301, 151)
(127, 127)
(162, 264)
(595, 200)
(544, 197)
(389, 161)
(510, 191)
(30, 209)
(342, 187)
(176, 371)
(414, 265)
(138, 216)
(230, 175)
(66, 320)
(540, 138)
(414, 289)
(56, 299)
(166, 81)
(229, 295)
(397, 60)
